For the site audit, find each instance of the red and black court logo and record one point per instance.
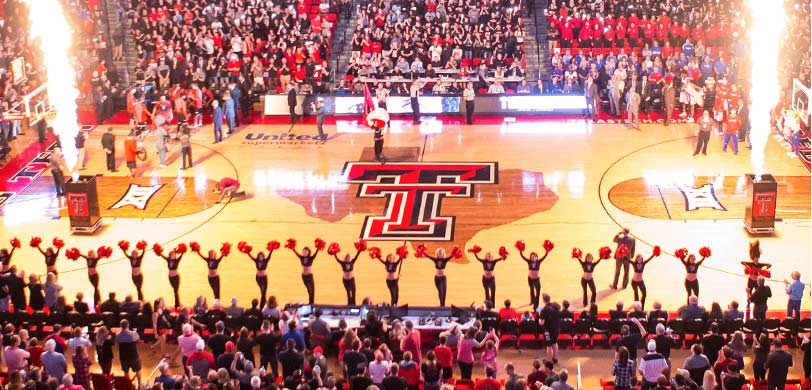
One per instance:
(414, 194)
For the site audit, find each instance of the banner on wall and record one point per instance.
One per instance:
(437, 105)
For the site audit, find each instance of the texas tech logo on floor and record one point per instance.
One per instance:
(414, 193)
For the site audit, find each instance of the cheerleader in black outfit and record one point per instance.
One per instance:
(753, 268)
(172, 262)
(213, 263)
(440, 261)
(347, 266)
(488, 265)
(691, 268)
(533, 265)
(261, 263)
(92, 259)
(638, 284)
(161, 322)
(49, 253)
(5, 255)
(135, 263)
(392, 273)
(306, 259)
(588, 265)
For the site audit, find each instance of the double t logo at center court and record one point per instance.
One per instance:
(414, 193)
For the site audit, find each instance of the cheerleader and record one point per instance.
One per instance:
(135, 263)
(753, 268)
(488, 265)
(92, 259)
(261, 263)
(392, 270)
(5, 255)
(213, 263)
(172, 262)
(306, 259)
(161, 322)
(691, 268)
(49, 253)
(347, 265)
(588, 266)
(533, 265)
(440, 261)
(638, 265)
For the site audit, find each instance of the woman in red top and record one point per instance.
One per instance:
(634, 34)
(130, 152)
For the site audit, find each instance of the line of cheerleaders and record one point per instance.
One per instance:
(392, 263)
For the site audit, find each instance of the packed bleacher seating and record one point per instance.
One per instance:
(258, 46)
(401, 41)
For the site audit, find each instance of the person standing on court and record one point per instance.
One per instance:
(321, 114)
(185, 150)
(160, 143)
(217, 114)
(292, 101)
(468, 96)
(414, 94)
(591, 95)
(705, 125)
(633, 105)
(130, 153)
(795, 293)
(42, 129)
(668, 98)
(109, 145)
(230, 111)
(58, 169)
(777, 366)
(81, 138)
(623, 238)
(732, 125)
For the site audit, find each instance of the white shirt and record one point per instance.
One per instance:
(652, 369)
(377, 371)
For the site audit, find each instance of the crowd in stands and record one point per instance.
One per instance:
(254, 46)
(406, 40)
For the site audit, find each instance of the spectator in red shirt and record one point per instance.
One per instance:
(489, 383)
(445, 358)
(732, 132)
(227, 187)
(508, 312)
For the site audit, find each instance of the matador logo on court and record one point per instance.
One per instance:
(414, 194)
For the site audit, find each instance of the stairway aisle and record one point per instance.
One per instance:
(342, 47)
(117, 19)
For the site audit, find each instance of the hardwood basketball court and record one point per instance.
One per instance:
(572, 182)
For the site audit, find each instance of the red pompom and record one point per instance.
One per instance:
(605, 252)
(58, 243)
(503, 253)
(656, 251)
(124, 245)
(141, 245)
(475, 249)
(247, 248)
(765, 273)
(361, 245)
(35, 241)
(375, 252)
(621, 251)
(181, 248)
(225, 249)
(747, 271)
(15, 243)
(72, 254)
(195, 246)
(704, 251)
(104, 251)
(420, 251)
(576, 253)
(333, 248)
(456, 252)
(290, 243)
(548, 245)
(681, 253)
(158, 249)
(319, 243)
(272, 245)
(402, 251)
(520, 245)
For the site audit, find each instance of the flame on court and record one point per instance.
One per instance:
(766, 29)
(49, 24)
